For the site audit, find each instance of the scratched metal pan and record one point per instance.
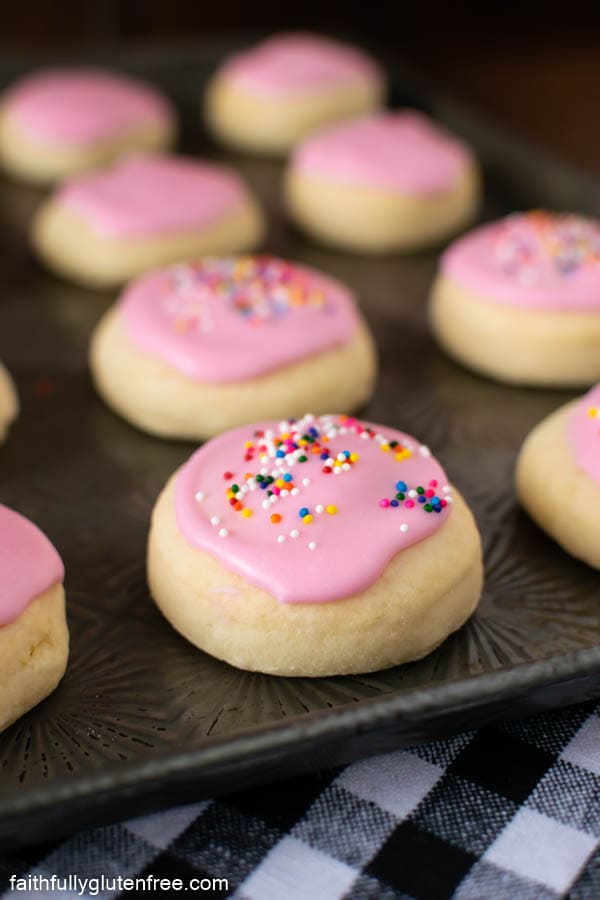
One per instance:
(142, 719)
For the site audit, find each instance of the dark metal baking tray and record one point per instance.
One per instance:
(142, 719)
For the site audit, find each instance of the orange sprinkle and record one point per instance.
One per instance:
(275, 518)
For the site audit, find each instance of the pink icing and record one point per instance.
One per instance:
(351, 546)
(29, 564)
(289, 64)
(400, 151)
(81, 106)
(538, 259)
(221, 320)
(584, 433)
(153, 194)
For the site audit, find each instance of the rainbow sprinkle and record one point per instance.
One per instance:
(258, 288)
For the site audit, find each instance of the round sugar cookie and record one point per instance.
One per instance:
(558, 476)
(383, 182)
(57, 122)
(34, 640)
(201, 347)
(269, 97)
(9, 404)
(314, 547)
(519, 300)
(145, 211)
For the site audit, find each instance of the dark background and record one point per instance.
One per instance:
(533, 66)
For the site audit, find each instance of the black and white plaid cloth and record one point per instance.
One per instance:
(509, 812)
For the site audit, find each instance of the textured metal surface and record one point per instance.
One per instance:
(142, 718)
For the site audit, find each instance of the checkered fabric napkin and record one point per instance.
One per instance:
(509, 812)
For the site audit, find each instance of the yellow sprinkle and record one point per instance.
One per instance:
(385, 447)
(230, 494)
(246, 513)
(280, 483)
(249, 444)
(307, 519)
(354, 457)
(331, 509)
(593, 412)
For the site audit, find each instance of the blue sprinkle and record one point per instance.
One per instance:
(313, 432)
(422, 499)
(303, 512)
(280, 454)
(263, 485)
(325, 455)
(401, 486)
(347, 454)
(393, 503)
(287, 477)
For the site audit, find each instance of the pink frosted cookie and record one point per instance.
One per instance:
(318, 546)
(558, 476)
(57, 122)
(201, 347)
(267, 98)
(103, 228)
(519, 299)
(383, 182)
(34, 641)
(9, 404)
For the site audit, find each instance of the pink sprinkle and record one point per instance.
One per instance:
(430, 493)
(409, 504)
(383, 503)
(433, 482)
(443, 503)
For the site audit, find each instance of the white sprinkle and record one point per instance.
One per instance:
(273, 499)
(424, 451)
(412, 493)
(294, 492)
(295, 533)
(449, 499)
(275, 473)
(346, 467)
(280, 538)
(446, 489)
(265, 504)
(312, 546)
(215, 520)
(291, 461)
(404, 528)
(252, 485)
(364, 436)
(264, 471)
(319, 508)
(284, 492)
(337, 470)
(329, 462)
(200, 495)
(223, 532)
(341, 457)
(306, 482)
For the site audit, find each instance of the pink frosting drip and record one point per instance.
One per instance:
(401, 151)
(337, 554)
(81, 106)
(292, 64)
(222, 320)
(153, 194)
(537, 259)
(584, 433)
(29, 564)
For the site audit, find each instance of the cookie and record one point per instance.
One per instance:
(199, 348)
(558, 476)
(269, 97)
(57, 122)
(9, 404)
(519, 300)
(34, 640)
(380, 183)
(103, 228)
(313, 547)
